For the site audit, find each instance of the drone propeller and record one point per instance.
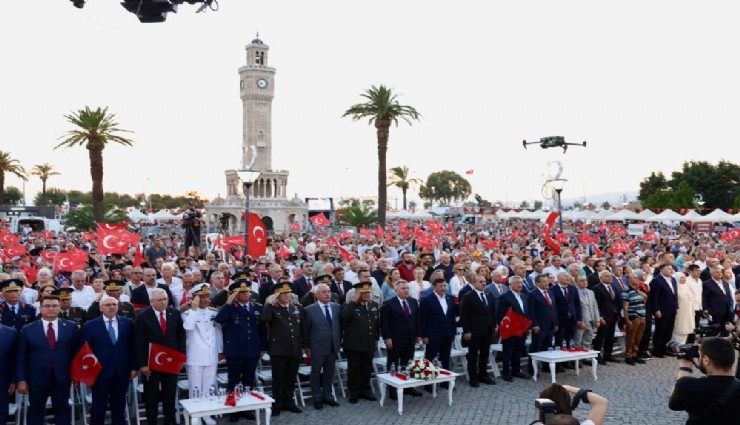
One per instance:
(524, 143)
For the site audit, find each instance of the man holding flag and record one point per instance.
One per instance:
(513, 318)
(109, 341)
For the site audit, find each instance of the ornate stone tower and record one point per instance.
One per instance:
(269, 192)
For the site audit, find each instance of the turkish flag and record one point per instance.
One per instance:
(586, 238)
(491, 244)
(345, 254)
(85, 366)
(128, 237)
(562, 238)
(513, 324)
(295, 227)
(618, 247)
(165, 359)
(9, 239)
(89, 236)
(366, 233)
(379, 232)
(257, 241)
(230, 242)
(283, 252)
(31, 272)
(69, 262)
(345, 235)
(320, 220)
(650, 236)
(78, 254)
(138, 258)
(48, 255)
(110, 242)
(403, 225)
(469, 172)
(46, 234)
(112, 226)
(18, 250)
(598, 252)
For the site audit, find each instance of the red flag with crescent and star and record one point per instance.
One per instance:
(257, 241)
(138, 258)
(295, 227)
(230, 242)
(513, 324)
(9, 238)
(165, 359)
(111, 241)
(69, 262)
(85, 366)
(320, 220)
(112, 227)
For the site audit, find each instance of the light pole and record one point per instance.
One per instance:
(558, 185)
(247, 176)
(698, 201)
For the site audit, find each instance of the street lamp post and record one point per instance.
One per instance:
(558, 185)
(247, 176)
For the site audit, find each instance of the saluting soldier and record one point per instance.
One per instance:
(14, 312)
(113, 288)
(286, 333)
(203, 342)
(76, 314)
(244, 335)
(361, 323)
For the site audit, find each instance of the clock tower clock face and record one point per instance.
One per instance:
(262, 83)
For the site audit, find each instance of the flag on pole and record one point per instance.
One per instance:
(165, 359)
(85, 366)
(320, 220)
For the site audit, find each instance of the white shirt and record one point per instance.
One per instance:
(55, 326)
(416, 289)
(115, 325)
(442, 302)
(324, 309)
(456, 284)
(696, 288)
(518, 297)
(175, 288)
(83, 298)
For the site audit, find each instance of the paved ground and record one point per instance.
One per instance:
(637, 395)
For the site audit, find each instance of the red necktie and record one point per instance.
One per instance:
(50, 336)
(609, 288)
(308, 281)
(406, 310)
(162, 323)
(547, 298)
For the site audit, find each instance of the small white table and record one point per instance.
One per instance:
(385, 379)
(197, 408)
(558, 356)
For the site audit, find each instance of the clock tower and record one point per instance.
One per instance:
(269, 193)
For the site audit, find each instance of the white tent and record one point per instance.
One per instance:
(541, 215)
(601, 214)
(583, 215)
(421, 214)
(735, 217)
(621, 215)
(692, 215)
(504, 215)
(717, 216)
(527, 215)
(645, 214)
(667, 215)
(401, 214)
(136, 216)
(163, 215)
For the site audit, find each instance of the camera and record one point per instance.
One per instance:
(690, 351)
(545, 408)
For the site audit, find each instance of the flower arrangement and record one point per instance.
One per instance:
(422, 369)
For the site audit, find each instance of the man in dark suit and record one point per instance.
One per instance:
(323, 345)
(664, 294)
(588, 267)
(340, 286)
(158, 324)
(140, 295)
(544, 314)
(8, 351)
(569, 309)
(303, 280)
(13, 312)
(478, 321)
(111, 339)
(496, 288)
(287, 336)
(593, 278)
(361, 324)
(46, 348)
(716, 299)
(438, 312)
(267, 282)
(513, 347)
(400, 326)
(610, 303)
(521, 271)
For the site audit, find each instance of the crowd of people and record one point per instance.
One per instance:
(324, 296)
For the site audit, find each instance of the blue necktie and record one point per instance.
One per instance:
(111, 332)
(328, 315)
(483, 300)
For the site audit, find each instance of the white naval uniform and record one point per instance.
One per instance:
(204, 343)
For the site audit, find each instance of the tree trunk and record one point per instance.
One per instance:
(404, 197)
(43, 191)
(2, 186)
(95, 153)
(382, 125)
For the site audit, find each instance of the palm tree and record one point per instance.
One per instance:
(358, 216)
(382, 109)
(9, 165)
(44, 171)
(82, 219)
(400, 178)
(94, 129)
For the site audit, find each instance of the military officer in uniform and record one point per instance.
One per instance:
(8, 354)
(310, 296)
(361, 324)
(113, 289)
(203, 343)
(14, 312)
(286, 333)
(244, 335)
(76, 314)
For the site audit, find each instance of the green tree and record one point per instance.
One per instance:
(651, 184)
(445, 186)
(54, 196)
(11, 196)
(382, 109)
(606, 205)
(736, 204)
(94, 129)
(12, 166)
(83, 218)
(358, 216)
(43, 172)
(400, 178)
(524, 204)
(682, 197)
(660, 199)
(718, 184)
(367, 204)
(538, 205)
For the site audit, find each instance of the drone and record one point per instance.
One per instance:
(156, 10)
(553, 142)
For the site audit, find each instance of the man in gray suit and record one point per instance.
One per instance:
(589, 313)
(496, 288)
(322, 326)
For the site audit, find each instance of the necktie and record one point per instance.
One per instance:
(310, 284)
(547, 298)
(111, 332)
(406, 310)
(328, 315)
(609, 289)
(565, 292)
(483, 300)
(340, 289)
(162, 323)
(50, 336)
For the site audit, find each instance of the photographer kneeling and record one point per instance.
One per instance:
(712, 399)
(560, 396)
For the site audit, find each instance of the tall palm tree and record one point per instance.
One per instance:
(94, 129)
(9, 165)
(44, 171)
(382, 109)
(400, 179)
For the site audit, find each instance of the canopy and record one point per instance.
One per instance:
(601, 214)
(621, 215)
(505, 215)
(717, 216)
(422, 214)
(667, 215)
(541, 215)
(692, 215)
(163, 215)
(136, 215)
(583, 215)
(645, 214)
(401, 214)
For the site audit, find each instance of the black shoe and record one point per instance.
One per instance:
(522, 375)
(669, 354)
(474, 383)
(275, 412)
(630, 361)
(646, 355)
(601, 361)
(293, 408)
(658, 356)
(611, 359)
(639, 360)
(352, 400)
(318, 405)
(486, 380)
(234, 417)
(413, 392)
(330, 402)
(368, 397)
(508, 378)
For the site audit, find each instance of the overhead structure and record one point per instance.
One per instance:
(667, 215)
(718, 216)
(622, 215)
